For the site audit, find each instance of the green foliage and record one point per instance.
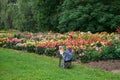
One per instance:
(50, 52)
(60, 15)
(40, 50)
(25, 16)
(89, 15)
(9, 45)
(117, 51)
(108, 52)
(20, 48)
(90, 55)
(2, 44)
(47, 16)
(30, 48)
(117, 54)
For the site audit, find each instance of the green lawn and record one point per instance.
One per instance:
(17, 65)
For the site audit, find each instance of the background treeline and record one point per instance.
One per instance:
(60, 15)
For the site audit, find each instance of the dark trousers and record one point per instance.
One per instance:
(68, 64)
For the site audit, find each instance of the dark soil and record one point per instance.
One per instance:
(109, 65)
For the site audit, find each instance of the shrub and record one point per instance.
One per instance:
(20, 46)
(117, 54)
(9, 45)
(17, 35)
(90, 55)
(50, 52)
(30, 48)
(108, 53)
(40, 50)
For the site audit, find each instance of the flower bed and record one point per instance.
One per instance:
(87, 46)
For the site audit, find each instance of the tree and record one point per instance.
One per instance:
(25, 17)
(60, 15)
(7, 14)
(89, 15)
(48, 13)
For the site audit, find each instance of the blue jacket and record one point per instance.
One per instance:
(67, 55)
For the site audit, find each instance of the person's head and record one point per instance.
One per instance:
(60, 47)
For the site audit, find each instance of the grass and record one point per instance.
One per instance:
(17, 65)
